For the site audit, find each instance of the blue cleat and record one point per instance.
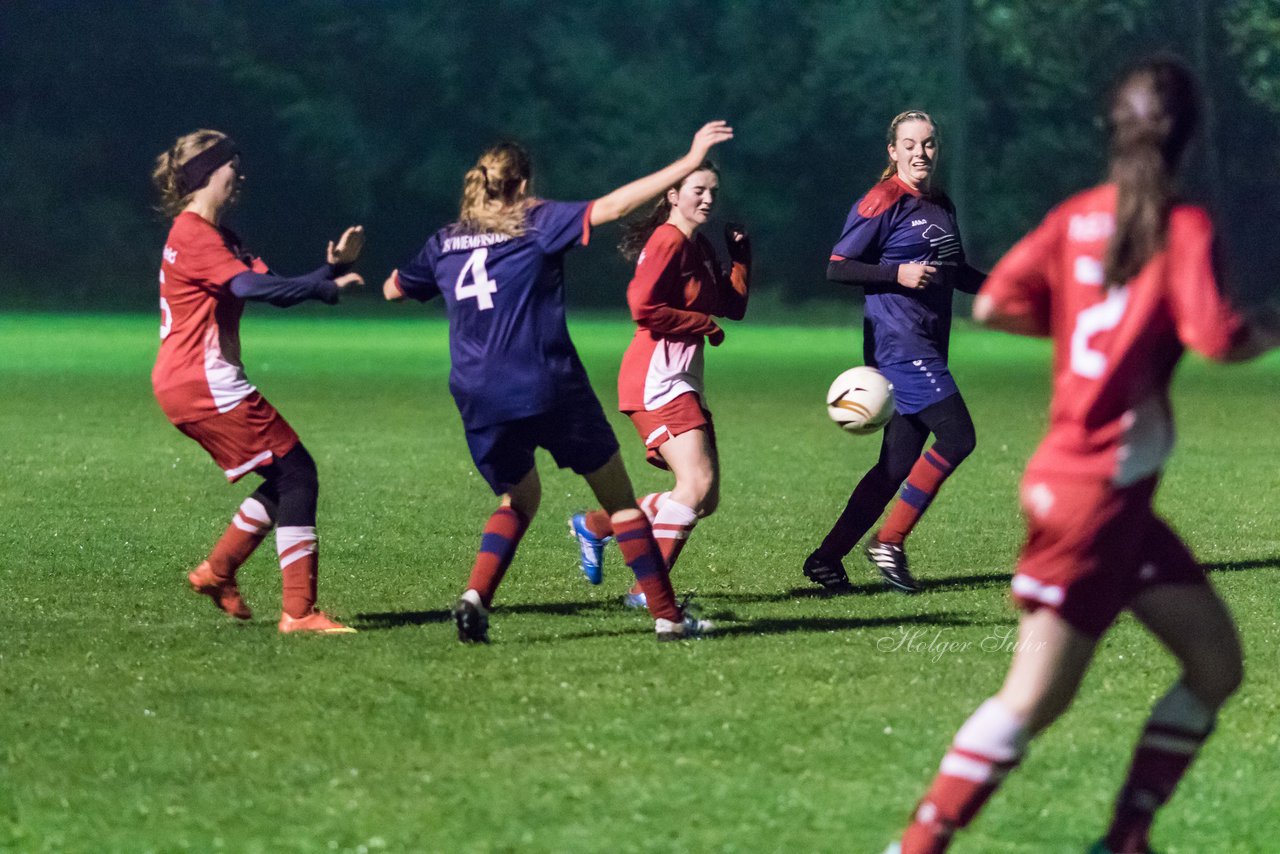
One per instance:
(590, 548)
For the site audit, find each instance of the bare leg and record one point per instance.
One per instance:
(1198, 629)
(1050, 660)
(694, 461)
(526, 496)
(1048, 663)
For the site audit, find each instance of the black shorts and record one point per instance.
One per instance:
(575, 432)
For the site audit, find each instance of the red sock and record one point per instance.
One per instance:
(923, 483)
(598, 523)
(498, 545)
(635, 540)
(299, 567)
(671, 528)
(246, 532)
(986, 748)
(1163, 755)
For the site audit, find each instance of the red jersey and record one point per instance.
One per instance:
(198, 372)
(677, 288)
(1114, 348)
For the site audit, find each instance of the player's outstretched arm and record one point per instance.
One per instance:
(987, 312)
(627, 198)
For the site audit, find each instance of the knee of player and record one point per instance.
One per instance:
(702, 488)
(1213, 682)
(954, 449)
(297, 472)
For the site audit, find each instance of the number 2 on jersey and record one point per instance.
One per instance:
(481, 287)
(1101, 317)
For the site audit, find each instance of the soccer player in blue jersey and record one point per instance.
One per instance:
(516, 376)
(901, 245)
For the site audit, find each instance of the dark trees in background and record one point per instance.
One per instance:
(371, 111)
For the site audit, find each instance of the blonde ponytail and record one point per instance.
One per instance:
(165, 174)
(495, 192)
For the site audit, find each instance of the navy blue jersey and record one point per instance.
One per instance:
(894, 224)
(508, 342)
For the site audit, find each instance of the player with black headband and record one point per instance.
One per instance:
(200, 383)
(901, 245)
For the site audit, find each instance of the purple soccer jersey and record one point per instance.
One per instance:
(508, 342)
(892, 225)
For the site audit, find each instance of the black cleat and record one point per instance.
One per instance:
(829, 572)
(891, 560)
(472, 621)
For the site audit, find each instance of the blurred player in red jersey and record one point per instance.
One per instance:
(515, 374)
(678, 288)
(901, 245)
(200, 383)
(1121, 277)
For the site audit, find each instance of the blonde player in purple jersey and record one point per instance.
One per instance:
(901, 245)
(516, 376)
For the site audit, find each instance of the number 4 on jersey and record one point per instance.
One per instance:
(481, 286)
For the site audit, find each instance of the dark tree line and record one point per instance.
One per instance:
(370, 112)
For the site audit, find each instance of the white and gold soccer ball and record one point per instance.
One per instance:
(860, 400)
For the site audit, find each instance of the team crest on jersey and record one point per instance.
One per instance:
(171, 254)
(945, 245)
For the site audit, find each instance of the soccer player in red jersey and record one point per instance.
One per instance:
(678, 288)
(901, 246)
(515, 374)
(200, 383)
(1121, 277)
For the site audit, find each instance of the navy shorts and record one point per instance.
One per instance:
(576, 433)
(919, 384)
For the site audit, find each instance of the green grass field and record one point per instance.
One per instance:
(134, 717)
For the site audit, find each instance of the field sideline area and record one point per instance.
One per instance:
(137, 718)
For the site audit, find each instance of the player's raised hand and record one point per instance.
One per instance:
(348, 248)
(737, 240)
(348, 279)
(915, 276)
(710, 134)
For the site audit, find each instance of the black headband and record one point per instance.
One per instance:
(193, 174)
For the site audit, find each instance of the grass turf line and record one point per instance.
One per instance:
(137, 719)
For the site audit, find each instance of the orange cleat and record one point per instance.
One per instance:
(314, 622)
(225, 594)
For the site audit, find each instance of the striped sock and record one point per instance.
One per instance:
(498, 545)
(1178, 726)
(985, 750)
(671, 527)
(923, 483)
(299, 567)
(641, 552)
(598, 521)
(248, 528)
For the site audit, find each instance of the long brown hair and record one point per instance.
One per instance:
(637, 232)
(904, 116)
(168, 164)
(495, 192)
(1154, 111)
